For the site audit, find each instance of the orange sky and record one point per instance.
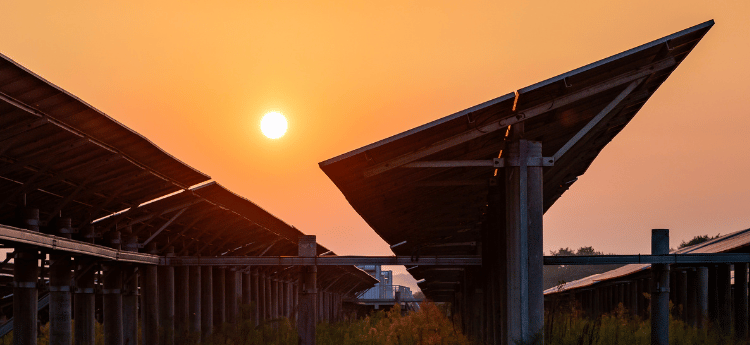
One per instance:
(196, 79)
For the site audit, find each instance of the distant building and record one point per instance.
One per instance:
(385, 293)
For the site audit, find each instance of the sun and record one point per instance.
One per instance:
(273, 125)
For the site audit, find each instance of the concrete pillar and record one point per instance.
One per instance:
(256, 296)
(247, 295)
(660, 289)
(231, 297)
(692, 297)
(295, 303)
(166, 302)
(724, 294)
(524, 214)
(149, 301)
(740, 299)
(681, 294)
(307, 319)
(195, 295)
(219, 298)
(276, 298)
(84, 306)
(25, 275)
(270, 294)
(262, 296)
(129, 292)
(702, 289)
(207, 302)
(60, 277)
(287, 299)
(633, 292)
(112, 296)
(713, 294)
(181, 303)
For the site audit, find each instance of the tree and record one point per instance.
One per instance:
(696, 240)
(588, 251)
(563, 252)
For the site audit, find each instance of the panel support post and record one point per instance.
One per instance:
(724, 294)
(84, 304)
(660, 289)
(25, 275)
(129, 292)
(524, 297)
(682, 294)
(256, 297)
(740, 299)
(247, 295)
(702, 292)
(195, 309)
(307, 319)
(112, 296)
(231, 298)
(166, 302)
(219, 293)
(207, 302)
(60, 276)
(181, 303)
(149, 301)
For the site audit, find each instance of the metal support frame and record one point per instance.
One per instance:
(660, 289)
(307, 306)
(84, 303)
(207, 300)
(195, 309)
(149, 302)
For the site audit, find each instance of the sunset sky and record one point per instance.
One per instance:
(196, 78)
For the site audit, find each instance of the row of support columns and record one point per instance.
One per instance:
(178, 305)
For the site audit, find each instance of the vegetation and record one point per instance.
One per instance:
(696, 240)
(558, 275)
(570, 327)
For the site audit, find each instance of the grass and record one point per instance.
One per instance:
(570, 327)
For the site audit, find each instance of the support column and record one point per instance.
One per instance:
(307, 319)
(247, 295)
(181, 303)
(60, 276)
(295, 297)
(692, 297)
(287, 299)
(270, 292)
(682, 295)
(702, 288)
(660, 289)
(112, 296)
(129, 292)
(195, 295)
(262, 296)
(219, 295)
(149, 301)
(724, 294)
(166, 302)
(276, 298)
(207, 302)
(524, 212)
(256, 297)
(25, 275)
(740, 299)
(84, 304)
(231, 298)
(633, 291)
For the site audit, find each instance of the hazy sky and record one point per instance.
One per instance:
(196, 79)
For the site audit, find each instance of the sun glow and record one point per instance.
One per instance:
(273, 125)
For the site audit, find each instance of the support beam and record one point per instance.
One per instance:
(166, 303)
(207, 300)
(60, 277)
(84, 309)
(524, 297)
(195, 295)
(232, 299)
(112, 296)
(182, 304)
(150, 301)
(219, 291)
(307, 319)
(660, 289)
(426, 260)
(740, 299)
(129, 292)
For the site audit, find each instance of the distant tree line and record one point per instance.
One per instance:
(581, 251)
